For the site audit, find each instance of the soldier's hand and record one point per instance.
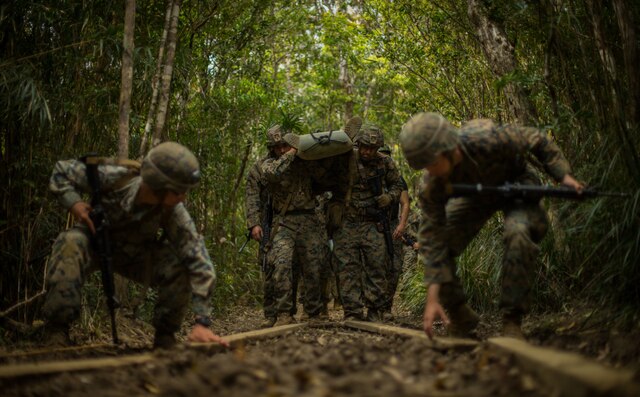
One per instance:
(202, 334)
(433, 310)
(570, 181)
(398, 232)
(81, 211)
(383, 200)
(257, 233)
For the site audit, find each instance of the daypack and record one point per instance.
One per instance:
(320, 145)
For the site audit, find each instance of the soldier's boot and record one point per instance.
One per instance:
(463, 322)
(354, 316)
(387, 316)
(374, 315)
(319, 318)
(56, 335)
(164, 340)
(284, 319)
(512, 327)
(268, 322)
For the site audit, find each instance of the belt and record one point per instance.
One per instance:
(301, 212)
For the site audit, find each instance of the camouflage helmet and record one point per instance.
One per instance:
(275, 135)
(370, 135)
(170, 166)
(425, 136)
(385, 149)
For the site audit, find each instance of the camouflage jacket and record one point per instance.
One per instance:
(255, 195)
(290, 175)
(361, 194)
(134, 226)
(492, 155)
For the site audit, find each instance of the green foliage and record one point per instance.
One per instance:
(242, 66)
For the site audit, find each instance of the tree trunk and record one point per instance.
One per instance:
(127, 79)
(154, 84)
(167, 73)
(347, 84)
(627, 28)
(500, 55)
(613, 84)
(121, 283)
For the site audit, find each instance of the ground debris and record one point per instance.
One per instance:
(306, 362)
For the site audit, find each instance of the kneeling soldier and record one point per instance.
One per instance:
(478, 153)
(137, 207)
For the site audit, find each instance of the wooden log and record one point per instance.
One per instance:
(570, 373)
(52, 367)
(439, 343)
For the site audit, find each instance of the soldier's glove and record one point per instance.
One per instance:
(383, 200)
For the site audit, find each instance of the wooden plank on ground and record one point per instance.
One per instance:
(570, 373)
(52, 367)
(55, 350)
(437, 343)
(240, 338)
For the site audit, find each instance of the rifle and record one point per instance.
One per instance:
(101, 240)
(265, 243)
(375, 185)
(530, 192)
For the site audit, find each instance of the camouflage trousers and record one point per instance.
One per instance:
(269, 301)
(155, 264)
(394, 269)
(525, 224)
(362, 264)
(298, 240)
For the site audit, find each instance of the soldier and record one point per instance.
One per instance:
(257, 205)
(360, 247)
(297, 234)
(479, 152)
(410, 245)
(398, 217)
(137, 206)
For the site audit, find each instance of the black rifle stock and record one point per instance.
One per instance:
(530, 192)
(381, 214)
(102, 242)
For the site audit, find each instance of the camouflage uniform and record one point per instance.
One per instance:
(178, 264)
(256, 196)
(410, 255)
(492, 155)
(298, 234)
(394, 269)
(359, 247)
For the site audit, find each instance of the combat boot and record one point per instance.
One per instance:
(284, 319)
(56, 335)
(268, 322)
(512, 327)
(164, 340)
(374, 315)
(354, 316)
(387, 316)
(463, 322)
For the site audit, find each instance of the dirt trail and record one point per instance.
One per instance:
(331, 361)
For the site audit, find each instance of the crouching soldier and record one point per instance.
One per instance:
(138, 204)
(480, 152)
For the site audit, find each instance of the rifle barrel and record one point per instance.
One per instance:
(530, 191)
